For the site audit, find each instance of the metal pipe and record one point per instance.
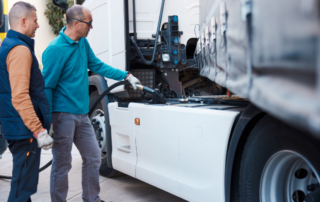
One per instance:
(144, 88)
(155, 42)
(134, 19)
(190, 83)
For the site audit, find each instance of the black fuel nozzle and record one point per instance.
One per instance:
(157, 97)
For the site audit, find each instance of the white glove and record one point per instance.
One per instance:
(51, 132)
(44, 140)
(133, 81)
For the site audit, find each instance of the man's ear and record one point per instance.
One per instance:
(75, 23)
(23, 22)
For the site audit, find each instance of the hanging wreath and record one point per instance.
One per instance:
(56, 16)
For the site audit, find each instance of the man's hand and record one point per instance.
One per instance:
(44, 140)
(133, 81)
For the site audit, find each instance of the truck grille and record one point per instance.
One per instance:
(146, 77)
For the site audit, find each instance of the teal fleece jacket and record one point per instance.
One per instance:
(65, 71)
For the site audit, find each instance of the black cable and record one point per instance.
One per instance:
(90, 112)
(105, 93)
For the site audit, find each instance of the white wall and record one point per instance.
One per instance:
(44, 34)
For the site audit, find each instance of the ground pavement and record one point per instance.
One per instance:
(120, 189)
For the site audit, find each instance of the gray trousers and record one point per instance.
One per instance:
(69, 128)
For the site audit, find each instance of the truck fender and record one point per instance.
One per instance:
(101, 84)
(250, 116)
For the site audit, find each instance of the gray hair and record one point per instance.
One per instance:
(74, 12)
(20, 10)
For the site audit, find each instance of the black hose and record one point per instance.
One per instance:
(155, 42)
(104, 94)
(134, 20)
(89, 114)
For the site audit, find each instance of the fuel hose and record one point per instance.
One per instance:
(90, 112)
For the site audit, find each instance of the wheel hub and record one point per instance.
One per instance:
(287, 176)
(98, 123)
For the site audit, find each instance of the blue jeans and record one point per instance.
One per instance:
(25, 173)
(69, 128)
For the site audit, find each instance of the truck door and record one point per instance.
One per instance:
(157, 147)
(182, 149)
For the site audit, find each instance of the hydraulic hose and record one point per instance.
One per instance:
(140, 87)
(155, 42)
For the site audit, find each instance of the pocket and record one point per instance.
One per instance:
(56, 117)
(60, 147)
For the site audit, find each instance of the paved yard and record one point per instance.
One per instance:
(122, 189)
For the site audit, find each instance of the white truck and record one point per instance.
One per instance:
(241, 82)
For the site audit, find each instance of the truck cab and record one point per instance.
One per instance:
(240, 117)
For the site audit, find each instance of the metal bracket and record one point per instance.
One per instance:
(223, 17)
(213, 29)
(207, 36)
(202, 41)
(199, 46)
(246, 9)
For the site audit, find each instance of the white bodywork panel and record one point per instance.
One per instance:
(178, 149)
(124, 155)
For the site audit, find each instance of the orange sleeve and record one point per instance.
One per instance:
(19, 62)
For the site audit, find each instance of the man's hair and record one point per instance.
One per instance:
(74, 12)
(20, 10)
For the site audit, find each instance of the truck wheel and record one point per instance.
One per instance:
(98, 123)
(279, 164)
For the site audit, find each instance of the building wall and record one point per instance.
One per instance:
(44, 34)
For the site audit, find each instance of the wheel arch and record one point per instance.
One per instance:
(191, 47)
(250, 116)
(97, 82)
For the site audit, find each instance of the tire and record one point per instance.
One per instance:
(104, 170)
(275, 154)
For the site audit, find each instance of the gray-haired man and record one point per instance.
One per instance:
(66, 61)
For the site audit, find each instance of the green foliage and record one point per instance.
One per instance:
(56, 16)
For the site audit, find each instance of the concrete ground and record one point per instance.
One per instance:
(120, 189)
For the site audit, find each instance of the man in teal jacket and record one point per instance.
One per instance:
(66, 62)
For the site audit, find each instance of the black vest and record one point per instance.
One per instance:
(11, 123)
